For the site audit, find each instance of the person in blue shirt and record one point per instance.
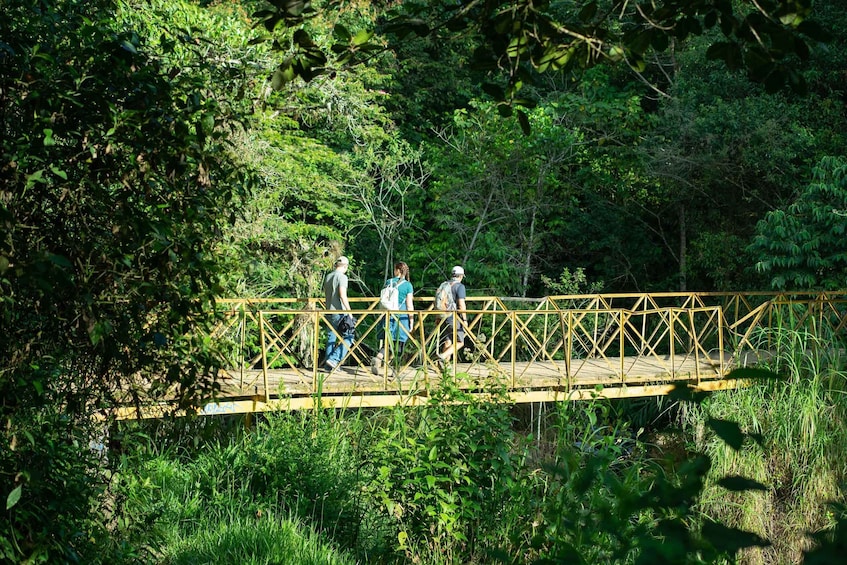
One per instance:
(399, 326)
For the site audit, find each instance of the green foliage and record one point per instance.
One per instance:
(603, 504)
(456, 482)
(571, 283)
(830, 543)
(523, 40)
(116, 183)
(218, 495)
(803, 246)
(57, 492)
(796, 423)
(488, 199)
(107, 255)
(255, 540)
(443, 472)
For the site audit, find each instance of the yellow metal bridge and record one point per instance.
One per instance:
(550, 349)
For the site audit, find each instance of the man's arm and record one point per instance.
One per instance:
(342, 294)
(461, 307)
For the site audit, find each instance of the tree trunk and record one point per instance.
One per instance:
(682, 249)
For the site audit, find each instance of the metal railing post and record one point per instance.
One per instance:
(514, 347)
(623, 344)
(720, 340)
(673, 342)
(316, 327)
(568, 353)
(264, 355)
(696, 342)
(243, 317)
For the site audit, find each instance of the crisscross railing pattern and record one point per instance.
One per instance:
(562, 342)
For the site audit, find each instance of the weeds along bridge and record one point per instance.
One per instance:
(549, 349)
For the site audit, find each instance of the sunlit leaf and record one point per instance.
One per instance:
(362, 37)
(14, 497)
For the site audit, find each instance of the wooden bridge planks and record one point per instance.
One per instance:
(359, 379)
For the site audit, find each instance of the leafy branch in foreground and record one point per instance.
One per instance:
(518, 39)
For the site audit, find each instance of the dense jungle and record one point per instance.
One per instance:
(157, 156)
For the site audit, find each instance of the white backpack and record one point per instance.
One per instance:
(389, 297)
(444, 300)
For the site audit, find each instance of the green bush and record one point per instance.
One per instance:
(446, 474)
(54, 500)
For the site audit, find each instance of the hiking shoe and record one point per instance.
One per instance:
(329, 366)
(376, 365)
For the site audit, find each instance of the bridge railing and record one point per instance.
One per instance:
(564, 341)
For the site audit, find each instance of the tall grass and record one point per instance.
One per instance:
(802, 449)
(252, 540)
(302, 465)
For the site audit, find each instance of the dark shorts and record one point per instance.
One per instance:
(447, 332)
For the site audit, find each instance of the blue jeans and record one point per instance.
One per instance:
(398, 327)
(399, 330)
(337, 350)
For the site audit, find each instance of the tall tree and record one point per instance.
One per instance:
(802, 246)
(116, 183)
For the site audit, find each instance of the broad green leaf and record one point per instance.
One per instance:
(59, 260)
(341, 33)
(524, 122)
(684, 393)
(13, 497)
(282, 75)
(362, 37)
(58, 172)
(588, 11)
(815, 31)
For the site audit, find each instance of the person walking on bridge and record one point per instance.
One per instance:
(450, 298)
(335, 293)
(400, 326)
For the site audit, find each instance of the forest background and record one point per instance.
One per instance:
(157, 155)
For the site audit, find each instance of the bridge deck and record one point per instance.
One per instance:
(360, 379)
(356, 386)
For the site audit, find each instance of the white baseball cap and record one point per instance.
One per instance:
(342, 261)
(457, 271)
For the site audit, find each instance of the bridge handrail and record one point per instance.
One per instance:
(272, 332)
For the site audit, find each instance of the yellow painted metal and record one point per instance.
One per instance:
(355, 401)
(555, 347)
